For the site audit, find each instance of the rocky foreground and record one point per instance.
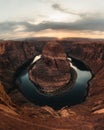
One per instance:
(17, 113)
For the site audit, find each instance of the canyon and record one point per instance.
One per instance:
(16, 112)
(52, 71)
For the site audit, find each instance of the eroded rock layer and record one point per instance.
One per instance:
(88, 115)
(52, 71)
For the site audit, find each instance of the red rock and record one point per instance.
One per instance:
(31, 118)
(52, 71)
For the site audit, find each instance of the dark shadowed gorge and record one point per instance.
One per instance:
(17, 113)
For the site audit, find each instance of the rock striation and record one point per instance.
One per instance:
(52, 71)
(88, 115)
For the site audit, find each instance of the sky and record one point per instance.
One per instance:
(51, 18)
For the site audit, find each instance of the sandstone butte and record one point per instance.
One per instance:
(52, 71)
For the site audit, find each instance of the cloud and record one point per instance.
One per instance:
(93, 23)
(58, 7)
(11, 25)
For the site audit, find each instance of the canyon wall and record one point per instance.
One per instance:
(13, 54)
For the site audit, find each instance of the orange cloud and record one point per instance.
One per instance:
(54, 33)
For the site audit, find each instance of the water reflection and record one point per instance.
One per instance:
(75, 95)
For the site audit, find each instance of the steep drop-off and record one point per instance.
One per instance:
(17, 112)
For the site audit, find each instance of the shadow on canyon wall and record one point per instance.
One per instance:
(17, 112)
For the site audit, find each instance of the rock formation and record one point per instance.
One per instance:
(52, 71)
(88, 115)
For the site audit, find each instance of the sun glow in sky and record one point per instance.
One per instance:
(51, 18)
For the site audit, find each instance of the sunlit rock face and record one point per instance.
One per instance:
(52, 71)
